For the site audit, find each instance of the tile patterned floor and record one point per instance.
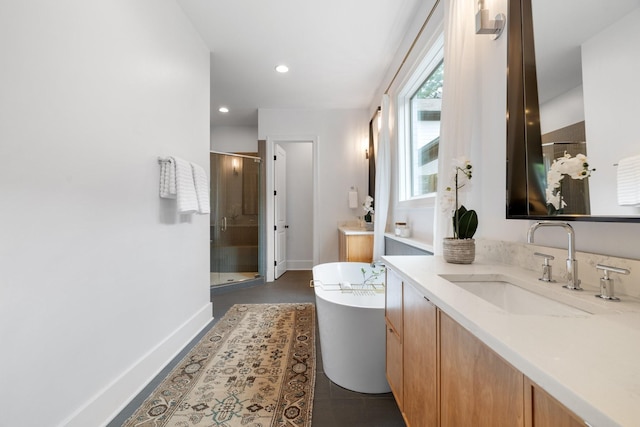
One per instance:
(333, 406)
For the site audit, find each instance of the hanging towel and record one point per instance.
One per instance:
(201, 182)
(628, 177)
(353, 199)
(185, 187)
(168, 178)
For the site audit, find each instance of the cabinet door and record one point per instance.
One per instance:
(394, 364)
(478, 388)
(342, 246)
(393, 304)
(420, 360)
(360, 248)
(542, 410)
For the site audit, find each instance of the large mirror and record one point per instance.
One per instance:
(572, 99)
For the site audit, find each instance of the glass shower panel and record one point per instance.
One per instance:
(234, 228)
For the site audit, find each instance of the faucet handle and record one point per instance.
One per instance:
(607, 268)
(606, 284)
(545, 256)
(546, 267)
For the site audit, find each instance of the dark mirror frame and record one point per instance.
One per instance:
(525, 196)
(372, 156)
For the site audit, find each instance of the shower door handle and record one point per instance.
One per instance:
(224, 223)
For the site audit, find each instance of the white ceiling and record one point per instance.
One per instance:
(338, 52)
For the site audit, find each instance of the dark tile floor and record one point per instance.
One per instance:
(333, 406)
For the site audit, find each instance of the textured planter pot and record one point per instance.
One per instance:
(458, 251)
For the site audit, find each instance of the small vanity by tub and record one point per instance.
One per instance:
(504, 365)
(355, 244)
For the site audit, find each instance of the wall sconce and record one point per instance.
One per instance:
(366, 153)
(234, 165)
(484, 25)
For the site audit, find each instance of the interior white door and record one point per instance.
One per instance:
(280, 203)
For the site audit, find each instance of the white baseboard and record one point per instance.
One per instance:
(108, 403)
(299, 264)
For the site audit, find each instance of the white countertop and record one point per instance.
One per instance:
(590, 363)
(354, 230)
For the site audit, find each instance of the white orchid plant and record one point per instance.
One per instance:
(368, 208)
(465, 222)
(575, 167)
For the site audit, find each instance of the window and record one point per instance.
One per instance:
(420, 107)
(426, 104)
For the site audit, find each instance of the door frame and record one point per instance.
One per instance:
(270, 215)
(280, 211)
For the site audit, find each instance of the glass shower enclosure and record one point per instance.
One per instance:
(235, 219)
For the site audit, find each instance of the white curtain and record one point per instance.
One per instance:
(383, 182)
(460, 104)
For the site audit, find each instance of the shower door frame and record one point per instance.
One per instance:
(218, 222)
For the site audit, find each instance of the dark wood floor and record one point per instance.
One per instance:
(333, 406)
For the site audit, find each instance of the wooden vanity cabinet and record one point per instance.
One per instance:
(393, 320)
(355, 247)
(542, 410)
(394, 365)
(478, 388)
(420, 405)
(442, 375)
(411, 352)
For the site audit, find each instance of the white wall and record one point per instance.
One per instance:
(342, 136)
(489, 172)
(611, 108)
(563, 110)
(488, 196)
(234, 139)
(299, 204)
(101, 283)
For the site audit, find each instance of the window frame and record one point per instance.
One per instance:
(433, 57)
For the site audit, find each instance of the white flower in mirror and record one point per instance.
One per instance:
(575, 167)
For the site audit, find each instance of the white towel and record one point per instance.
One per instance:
(185, 187)
(201, 182)
(168, 178)
(628, 177)
(353, 199)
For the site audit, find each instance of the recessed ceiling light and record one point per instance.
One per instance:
(223, 109)
(282, 68)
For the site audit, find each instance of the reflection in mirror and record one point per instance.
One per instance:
(574, 98)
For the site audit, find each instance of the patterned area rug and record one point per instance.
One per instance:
(254, 368)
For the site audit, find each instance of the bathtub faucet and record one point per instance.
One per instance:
(378, 263)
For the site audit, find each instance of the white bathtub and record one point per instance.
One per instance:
(352, 326)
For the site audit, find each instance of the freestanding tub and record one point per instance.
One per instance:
(351, 324)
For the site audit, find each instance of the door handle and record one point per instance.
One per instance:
(224, 223)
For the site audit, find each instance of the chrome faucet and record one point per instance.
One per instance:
(378, 263)
(572, 264)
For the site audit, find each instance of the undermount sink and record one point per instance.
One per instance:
(502, 292)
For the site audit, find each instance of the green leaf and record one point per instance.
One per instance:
(456, 217)
(468, 224)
